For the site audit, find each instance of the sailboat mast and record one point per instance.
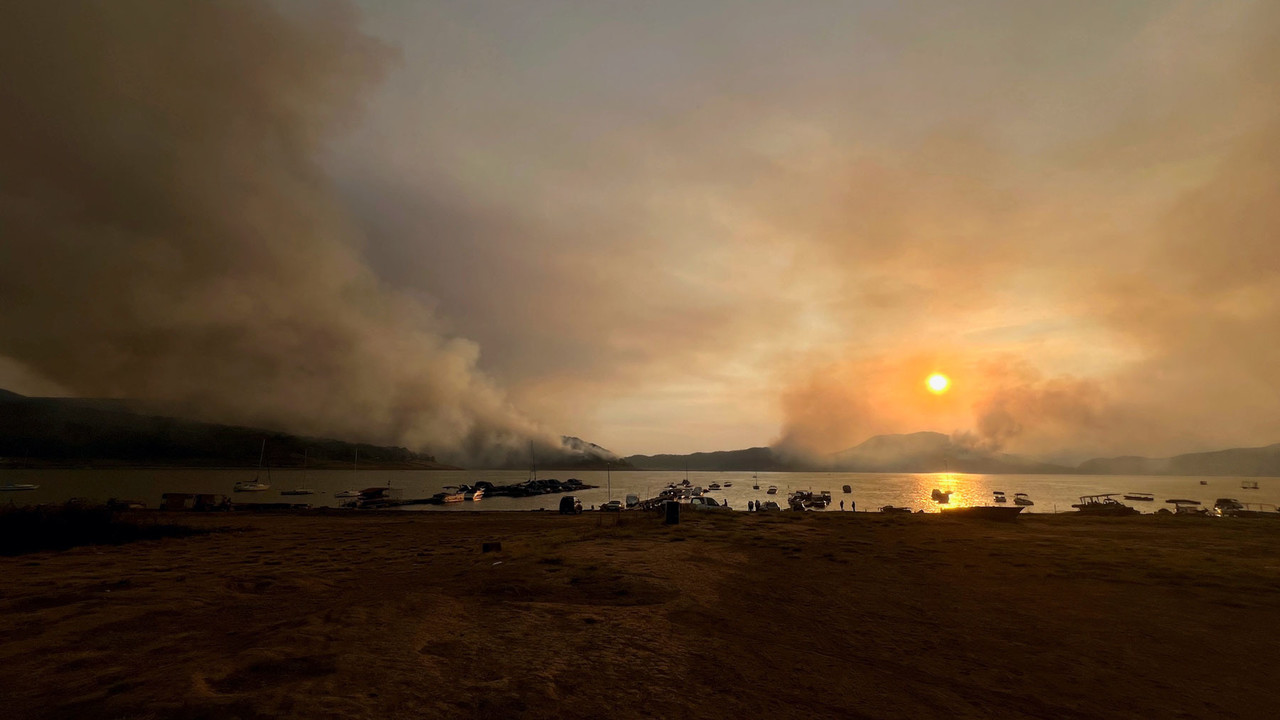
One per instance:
(533, 461)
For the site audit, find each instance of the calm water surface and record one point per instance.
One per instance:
(869, 490)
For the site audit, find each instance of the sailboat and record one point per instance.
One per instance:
(301, 491)
(755, 481)
(256, 485)
(355, 468)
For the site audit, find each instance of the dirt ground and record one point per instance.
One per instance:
(391, 615)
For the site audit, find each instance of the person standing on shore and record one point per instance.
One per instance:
(841, 506)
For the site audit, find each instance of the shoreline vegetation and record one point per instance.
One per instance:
(779, 615)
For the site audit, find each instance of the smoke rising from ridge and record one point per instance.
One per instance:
(168, 233)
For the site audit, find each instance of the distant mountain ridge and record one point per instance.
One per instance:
(932, 452)
(79, 432)
(1238, 462)
(936, 452)
(749, 460)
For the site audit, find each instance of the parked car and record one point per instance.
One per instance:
(706, 503)
(612, 506)
(633, 501)
(570, 505)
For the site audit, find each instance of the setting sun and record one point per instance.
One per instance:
(938, 383)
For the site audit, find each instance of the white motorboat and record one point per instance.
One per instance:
(16, 487)
(999, 497)
(773, 490)
(347, 494)
(1022, 499)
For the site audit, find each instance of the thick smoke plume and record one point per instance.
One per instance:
(167, 234)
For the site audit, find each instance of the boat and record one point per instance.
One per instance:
(1139, 496)
(771, 505)
(377, 497)
(17, 487)
(301, 491)
(713, 487)
(452, 495)
(1248, 484)
(355, 468)
(999, 496)
(893, 509)
(1104, 505)
(773, 490)
(846, 489)
(984, 512)
(256, 485)
(473, 494)
(1022, 500)
(1182, 506)
(941, 496)
(1204, 482)
(728, 485)
(809, 500)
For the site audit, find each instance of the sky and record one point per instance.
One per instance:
(659, 226)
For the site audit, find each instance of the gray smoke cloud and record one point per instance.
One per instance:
(169, 235)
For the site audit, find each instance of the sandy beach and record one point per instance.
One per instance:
(390, 615)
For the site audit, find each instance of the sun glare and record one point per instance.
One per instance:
(938, 383)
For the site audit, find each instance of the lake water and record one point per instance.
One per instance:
(869, 490)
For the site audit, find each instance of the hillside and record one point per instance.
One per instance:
(916, 452)
(932, 452)
(1236, 462)
(761, 459)
(76, 432)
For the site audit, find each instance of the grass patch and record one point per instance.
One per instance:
(59, 527)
